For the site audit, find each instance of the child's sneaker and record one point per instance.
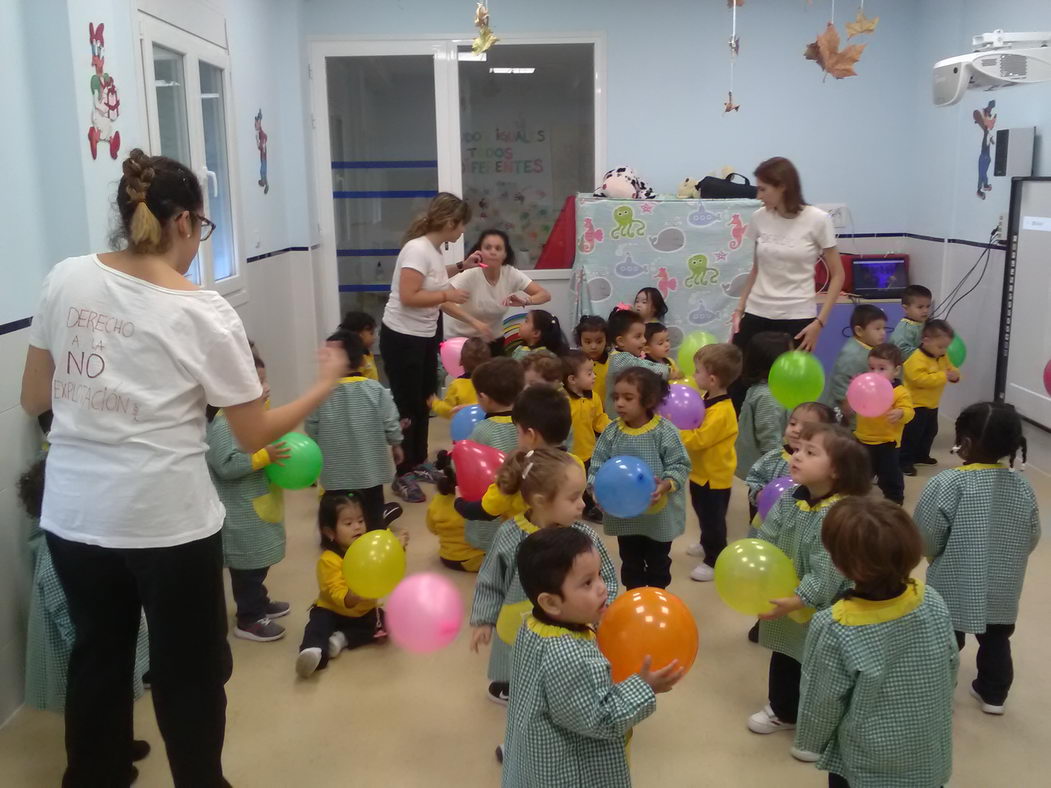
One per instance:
(702, 573)
(497, 692)
(805, 755)
(408, 489)
(277, 609)
(264, 630)
(753, 633)
(988, 708)
(307, 662)
(380, 635)
(927, 461)
(337, 641)
(391, 512)
(695, 550)
(426, 472)
(765, 721)
(909, 470)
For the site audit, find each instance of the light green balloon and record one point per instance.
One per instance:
(302, 468)
(796, 377)
(957, 351)
(691, 343)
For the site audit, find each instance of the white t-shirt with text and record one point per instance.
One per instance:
(135, 365)
(487, 301)
(419, 254)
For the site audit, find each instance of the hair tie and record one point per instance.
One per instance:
(528, 467)
(623, 306)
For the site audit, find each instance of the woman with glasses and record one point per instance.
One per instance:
(127, 353)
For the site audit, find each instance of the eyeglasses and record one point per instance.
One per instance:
(207, 226)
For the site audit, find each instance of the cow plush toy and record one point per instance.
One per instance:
(623, 184)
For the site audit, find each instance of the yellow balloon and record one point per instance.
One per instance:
(374, 564)
(510, 620)
(751, 572)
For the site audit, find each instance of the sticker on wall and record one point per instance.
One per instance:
(627, 226)
(702, 315)
(702, 217)
(701, 274)
(628, 268)
(985, 120)
(589, 237)
(737, 229)
(665, 282)
(670, 239)
(260, 144)
(599, 289)
(106, 107)
(736, 286)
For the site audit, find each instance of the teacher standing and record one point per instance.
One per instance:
(493, 287)
(790, 236)
(411, 329)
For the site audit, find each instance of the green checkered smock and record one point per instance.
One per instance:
(876, 691)
(567, 722)
(619, 361)
(772, 465)
(907, 335)
(355, 427)
(658, 444)
(50, 636)
(852, 360)
(794, 525)
(497, 585)
(254, 527)
(979, 524)
(496, 431)
(760, 427)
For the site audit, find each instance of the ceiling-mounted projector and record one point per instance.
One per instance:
(999, 60)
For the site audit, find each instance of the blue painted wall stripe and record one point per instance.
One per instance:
(367, 252)
(364, 288)
(385, 165)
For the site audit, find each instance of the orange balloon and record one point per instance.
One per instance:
(647, 621)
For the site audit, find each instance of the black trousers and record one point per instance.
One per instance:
(711, 506)
(644, 562)
(785, 675)
(496, 347)
(181, 590)
(919, 436)
(996, 670)
(412, 371)
(886, 464)
(372, 504)
(322, 623)
(250, 593)
(750, 326)
(589, 499)
(835, 781)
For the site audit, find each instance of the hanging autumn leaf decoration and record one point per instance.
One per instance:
(732, 3)
(862, 24)
(826, 53)
(729, 106)
(485, 37)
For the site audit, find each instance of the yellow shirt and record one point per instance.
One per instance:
(589, 419)
(333, 588)
(368, 367)
(446, 523)
(711, 446)
(460, 392)
(876, 430)
(601, 368)
(925, 378)
(502, 506)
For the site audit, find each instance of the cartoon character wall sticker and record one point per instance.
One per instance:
(985, 120)
(591, 236)
(260, 143)
(737, 228)
(106, 107)
(627, 225)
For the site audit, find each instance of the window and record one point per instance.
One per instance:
(186, 83)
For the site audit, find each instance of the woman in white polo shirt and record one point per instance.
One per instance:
(127, 353)
(790, 236)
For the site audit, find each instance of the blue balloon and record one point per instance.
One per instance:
(463, 422)
(624, 486)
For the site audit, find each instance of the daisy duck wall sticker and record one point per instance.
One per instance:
(260, 143)
(106, 107)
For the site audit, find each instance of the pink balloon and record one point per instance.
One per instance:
(683, 407)
(424, 613)
(476, 467)
(870, 395)
(450, 351)
(1047, 377)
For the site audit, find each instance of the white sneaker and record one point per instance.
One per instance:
(765, 721)
(702, 573)
(805, 755)
(337, 641)
(695, 550)
(988, 708)
(307, 662)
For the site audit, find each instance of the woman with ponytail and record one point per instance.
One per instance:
(127, 353)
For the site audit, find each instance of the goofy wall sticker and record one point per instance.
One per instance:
(106, 107)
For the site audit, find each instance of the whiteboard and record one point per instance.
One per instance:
(1027, 297)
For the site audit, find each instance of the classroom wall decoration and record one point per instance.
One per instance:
(106, 107)
(693, 251)
(825, 51)
(260, 144)
(986, 121)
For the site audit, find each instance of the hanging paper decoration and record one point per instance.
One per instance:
(106, 107)
(826, 53)
(735, 49)
(485, 37)
(728, 105)
(862, 24)
(260, 144)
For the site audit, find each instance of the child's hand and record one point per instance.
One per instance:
(402, 535)
(398, 454)
(661, 680)
(481, 635)
(431, 399)
(352, 599)
(331, 365)
(782, 607)
(895, 415)
(277, 452)
(845, 409)
(662, 489)
(405, 424)
(456, 410)
(952, 375)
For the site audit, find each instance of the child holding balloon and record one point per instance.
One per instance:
(828, 465)
(568, 723)
(644, 529)
(628, 331)
(762, 418)
(448, 524)
(589, 418)
(658, 348)
(868, 326)
(880, 665)
(592, 338)
(927, 371)
(881, 435)
(460, 392)
(916, 304)
(551, 484)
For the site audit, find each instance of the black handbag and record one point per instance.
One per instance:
(726, 188)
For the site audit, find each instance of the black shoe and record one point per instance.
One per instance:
(499, 753)
(909, 470)
(391, 512)
(147, 680)
(927, 461)
(133, 775)
(139, 749)
(753, 633)
(497, 692)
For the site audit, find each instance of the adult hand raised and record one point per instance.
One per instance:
(473, 260)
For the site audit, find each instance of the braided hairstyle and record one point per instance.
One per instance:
(994, 430)
(152, 191)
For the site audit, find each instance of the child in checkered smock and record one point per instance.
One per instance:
(551, 483)
(627, 329)
(568, 724)
(762, 420)
(828, 465)
(879, 668)
(979, 523)
(540, 331)
(645, 540)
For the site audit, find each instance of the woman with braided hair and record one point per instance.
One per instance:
(127, 352)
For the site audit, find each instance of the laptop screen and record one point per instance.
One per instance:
(883, 273)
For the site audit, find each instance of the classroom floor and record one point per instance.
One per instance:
(380, 716)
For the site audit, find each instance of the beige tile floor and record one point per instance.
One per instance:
(382, 717)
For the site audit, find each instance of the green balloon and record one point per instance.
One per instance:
(302, 468)
(691, 343)
(957, 351)
(796, 377)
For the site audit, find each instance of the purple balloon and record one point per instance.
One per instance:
(424, 613)
(768, 495)
(683, 407)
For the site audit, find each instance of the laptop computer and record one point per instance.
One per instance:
(879, 277)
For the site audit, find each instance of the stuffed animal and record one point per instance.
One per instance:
(623, 184)
(688, 189)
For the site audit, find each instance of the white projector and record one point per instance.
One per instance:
(999, 60)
